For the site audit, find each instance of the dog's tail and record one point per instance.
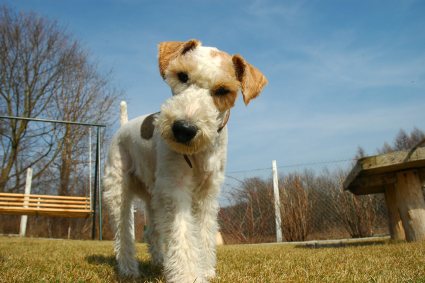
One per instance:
(123, 113)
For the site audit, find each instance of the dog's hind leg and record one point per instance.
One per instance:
(119, 198)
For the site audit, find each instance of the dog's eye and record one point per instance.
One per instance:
(183, 77)
(221, 91)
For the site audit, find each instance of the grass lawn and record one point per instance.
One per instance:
(42, 260)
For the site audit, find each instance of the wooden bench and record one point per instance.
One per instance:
(48, 205)
(400, 176)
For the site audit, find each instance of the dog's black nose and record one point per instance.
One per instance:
(184, 131)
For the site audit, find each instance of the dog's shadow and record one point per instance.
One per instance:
(149, 272)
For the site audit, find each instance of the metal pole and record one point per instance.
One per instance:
(90, 170)
(96, 184)
(51, 121)
(24, 218)
(98, 160)
(276, 203)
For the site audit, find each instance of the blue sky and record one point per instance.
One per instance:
(342, 74)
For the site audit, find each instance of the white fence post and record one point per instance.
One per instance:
(276, 203)
(90, 173)
(24, 218)
(132, 222)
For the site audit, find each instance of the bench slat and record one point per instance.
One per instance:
(46, 205)
(44, 196)
(33, 200)
(62, 206)
(78, 213)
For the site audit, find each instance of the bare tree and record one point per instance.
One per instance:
(357, 213)
(32, 58)
(295, 207)
(250, 217)
(85, 96)
(404, 141)
(45, 73)
(360, 153)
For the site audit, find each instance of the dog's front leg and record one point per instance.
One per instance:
(205, 209)
(172, 205)
(152, 237)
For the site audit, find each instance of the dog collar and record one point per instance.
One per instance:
(223, 124)
(186, 158)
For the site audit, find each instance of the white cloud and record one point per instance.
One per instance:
(332, 66)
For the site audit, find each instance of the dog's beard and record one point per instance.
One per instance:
(200, 112)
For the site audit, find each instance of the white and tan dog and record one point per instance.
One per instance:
(175, 159)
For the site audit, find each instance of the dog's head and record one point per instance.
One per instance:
(205, 82)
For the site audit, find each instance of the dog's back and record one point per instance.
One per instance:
(131, 145)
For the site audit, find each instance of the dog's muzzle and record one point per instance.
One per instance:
(184, 131)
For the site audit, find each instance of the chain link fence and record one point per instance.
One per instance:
(313, 206)
(62, 157)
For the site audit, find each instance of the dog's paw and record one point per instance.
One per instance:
(210, 274)
(129, 269)
(157, 259)
(202, 280)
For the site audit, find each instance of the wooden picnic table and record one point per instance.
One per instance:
(401, 177)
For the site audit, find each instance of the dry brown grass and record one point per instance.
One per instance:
(39, 260)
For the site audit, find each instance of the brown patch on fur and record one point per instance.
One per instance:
(252, 80)
(225, 101)
(169, 50)
(181, 64)
(189, 45)
(222, 54)
(147, 127)
(226, 62)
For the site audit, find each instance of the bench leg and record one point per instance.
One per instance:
(411, 205)
(395, 223)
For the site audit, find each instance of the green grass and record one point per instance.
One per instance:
(42, 260)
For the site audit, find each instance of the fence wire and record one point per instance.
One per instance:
(313, 206)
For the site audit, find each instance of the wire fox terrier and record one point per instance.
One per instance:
(174, 161)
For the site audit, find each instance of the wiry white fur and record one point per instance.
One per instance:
(178, 181)
(181, 202)
(205, 70)
(195, 107)
(123, 113)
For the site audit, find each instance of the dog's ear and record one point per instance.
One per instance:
(169, 50)
(252, 80)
